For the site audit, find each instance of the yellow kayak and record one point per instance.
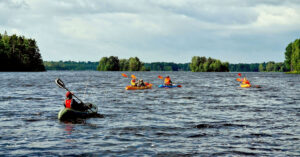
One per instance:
(245, 85)
(138, 88)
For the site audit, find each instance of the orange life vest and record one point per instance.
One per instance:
(245, 81)
(132, 82)
(68, 103)
(167, 81)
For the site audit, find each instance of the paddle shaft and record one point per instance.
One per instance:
(78, 98)
(61, 84)
(74, 95)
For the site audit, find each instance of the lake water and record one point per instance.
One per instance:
(209, 116)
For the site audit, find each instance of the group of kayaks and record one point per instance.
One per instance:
(67, 113)
(149, 86)
(145, 85)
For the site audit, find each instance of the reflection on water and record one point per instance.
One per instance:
(209, 116)
(69, 127)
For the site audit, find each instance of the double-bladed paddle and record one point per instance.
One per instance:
(132, 76)
(61, 84)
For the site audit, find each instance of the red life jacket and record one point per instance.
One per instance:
(68, 103)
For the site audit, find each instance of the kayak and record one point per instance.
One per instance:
(70, 114)
(163, 86)
(245, 85)
(139, 88)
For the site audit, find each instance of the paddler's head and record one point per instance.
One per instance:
(69, 95)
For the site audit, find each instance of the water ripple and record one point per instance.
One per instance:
(209, 116)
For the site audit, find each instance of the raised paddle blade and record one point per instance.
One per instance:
(60, 83)
(124, 75)
(160, 77)
(132, 76)
(238, 79)
(240, 74)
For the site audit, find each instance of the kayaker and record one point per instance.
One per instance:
(245, 81)
(133, 82)
(73, 104)
(168, 81)
(141, 83)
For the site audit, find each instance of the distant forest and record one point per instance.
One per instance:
(256, 67)
(18, 53)
(155, 66)
(113, 63)
(198, 64)
(70, 65)
(166, 66)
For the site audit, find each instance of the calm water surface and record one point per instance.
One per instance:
(209, 116)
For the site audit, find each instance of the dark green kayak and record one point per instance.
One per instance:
(71, 114)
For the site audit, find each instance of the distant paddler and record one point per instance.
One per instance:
(245, 83)
(136, 82)
(167, 82)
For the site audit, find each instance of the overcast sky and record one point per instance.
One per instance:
(236, 31)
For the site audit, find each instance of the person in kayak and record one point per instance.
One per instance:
(141, 83)
(133, 82)
(73, 104)
(245, 81)
(167, 81)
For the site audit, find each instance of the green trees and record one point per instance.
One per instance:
(109, 64)
(114, 64)
(288, 55)
(18, 53)
(70, 65)
(201, 64)
(242, 67)
(262, 67)
(292, 56)
(124, 64)
(167, 66)
(135, 64)
(272, 67)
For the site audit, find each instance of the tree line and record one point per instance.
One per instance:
(203, 64)
(18, 53)
(242, 67)
(113, 63)
(70, 65)
(292, 56)
(272, 67)
(198, 64)
(258, 67)
(167, 66)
